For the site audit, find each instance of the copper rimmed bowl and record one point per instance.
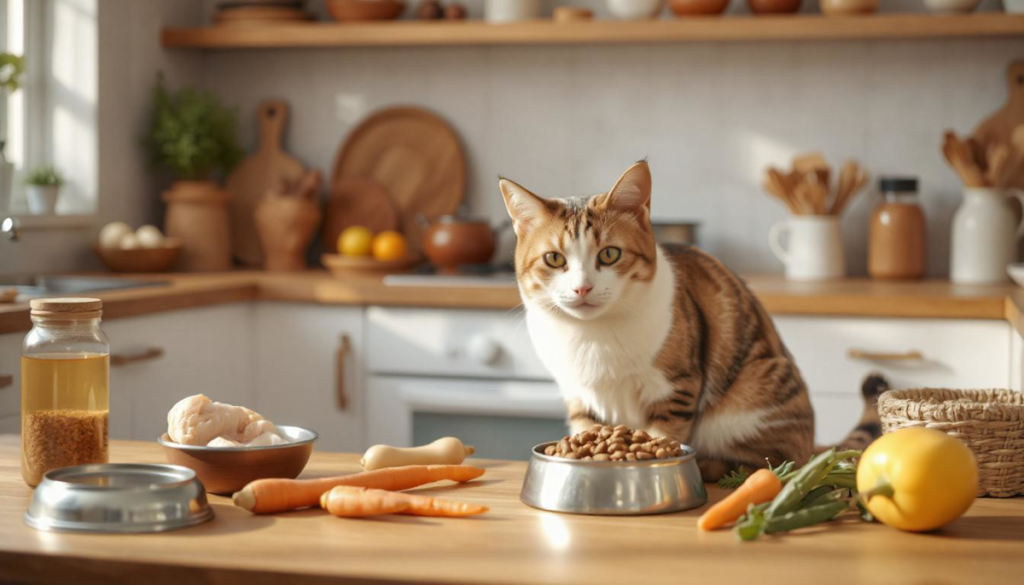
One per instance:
(225, 470)
(613, 488)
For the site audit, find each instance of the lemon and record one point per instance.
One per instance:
(355, 241)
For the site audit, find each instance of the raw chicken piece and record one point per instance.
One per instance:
(197, 420)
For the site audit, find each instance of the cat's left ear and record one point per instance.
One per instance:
(631, 193)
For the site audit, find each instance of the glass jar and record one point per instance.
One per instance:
(896, 240)
(65, 404)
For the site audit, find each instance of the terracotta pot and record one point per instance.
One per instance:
(451, 242)
(698, 7)
(773, 6)
(197, 215)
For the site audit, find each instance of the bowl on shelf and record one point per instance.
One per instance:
(342, 266)
(140, 259)
(951, 6)
(773, 6)
(225, 470)
(635, 9)
(697, 7)
(613, 488)
(848, 7)
(361, 10)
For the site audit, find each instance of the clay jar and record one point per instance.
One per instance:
(698, 7)
(451, 242)
(773, 6)
(197, 214)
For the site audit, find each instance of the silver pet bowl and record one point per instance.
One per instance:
(118, 498)
(613, 488)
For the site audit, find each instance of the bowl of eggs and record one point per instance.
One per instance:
(122, 249)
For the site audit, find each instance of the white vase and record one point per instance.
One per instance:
(815, 250)
(502, 11)
(984, 238)
(6, 185)
(42, 199)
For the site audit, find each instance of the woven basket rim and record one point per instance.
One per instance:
(951, 404)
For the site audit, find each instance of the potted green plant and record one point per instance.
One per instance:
(11, 69)
(194, 136)
(42, 188)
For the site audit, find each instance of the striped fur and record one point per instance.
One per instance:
(665, 339)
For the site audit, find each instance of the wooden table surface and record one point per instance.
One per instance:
(854, 297)
(511, 544)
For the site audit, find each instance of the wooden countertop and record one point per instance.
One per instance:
(511, 544)
(851, 297)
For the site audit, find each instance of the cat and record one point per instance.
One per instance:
(660, 338)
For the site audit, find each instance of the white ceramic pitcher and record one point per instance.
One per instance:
(815, 250)
(985, 235)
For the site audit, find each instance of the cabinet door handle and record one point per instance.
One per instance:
(6, 380)
(908, 356)
(152, 353)
(344, 348)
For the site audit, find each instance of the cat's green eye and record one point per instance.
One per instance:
(554, 260)
(609, 256)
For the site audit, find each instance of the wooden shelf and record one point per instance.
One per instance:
(737, 28)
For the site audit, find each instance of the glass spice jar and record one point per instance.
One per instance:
(65, 404)
(896, 239)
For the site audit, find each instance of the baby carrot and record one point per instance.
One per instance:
(762, 486)
(347, 501)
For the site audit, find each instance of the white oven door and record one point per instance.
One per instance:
(501, 419)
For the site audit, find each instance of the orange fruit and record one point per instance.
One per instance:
(355, 241)
(390, 246)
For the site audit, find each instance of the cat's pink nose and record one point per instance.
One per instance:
(583, 290)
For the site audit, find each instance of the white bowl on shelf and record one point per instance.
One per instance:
(951, 6)
(635, 9)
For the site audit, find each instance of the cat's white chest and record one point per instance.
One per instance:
(608, 363)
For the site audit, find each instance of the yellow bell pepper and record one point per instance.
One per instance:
(917, 479)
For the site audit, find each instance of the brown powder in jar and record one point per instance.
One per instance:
(61, 438)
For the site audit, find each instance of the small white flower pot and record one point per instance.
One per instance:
(42, 200)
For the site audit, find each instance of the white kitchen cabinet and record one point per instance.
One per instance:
(308, 364)
(835, 354)
(173, 355)
(10, 365)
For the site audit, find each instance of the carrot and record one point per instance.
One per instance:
(356, 502)
(266, 496)
(347, 501)
(760, 487)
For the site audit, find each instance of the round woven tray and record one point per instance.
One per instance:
(990, 422)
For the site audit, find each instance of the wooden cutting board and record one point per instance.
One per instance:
(268, 168)
(358, 201)
(1000, 125)
(415, 156)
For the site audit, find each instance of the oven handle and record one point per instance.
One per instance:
(455, 402)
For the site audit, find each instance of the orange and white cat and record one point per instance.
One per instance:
(657, 338)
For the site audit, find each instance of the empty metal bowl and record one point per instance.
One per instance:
(118, 498)
(613, 488)
(225, 470)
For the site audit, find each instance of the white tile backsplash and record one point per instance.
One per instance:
(710, 116)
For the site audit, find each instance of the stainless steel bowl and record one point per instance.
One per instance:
(613, 488)
(118, 498)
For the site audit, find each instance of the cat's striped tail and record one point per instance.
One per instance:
(869, 427)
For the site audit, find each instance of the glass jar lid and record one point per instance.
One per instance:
(71, 308)
(897, 184)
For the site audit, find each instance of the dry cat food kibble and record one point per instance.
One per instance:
(621, 443)
(61, 438)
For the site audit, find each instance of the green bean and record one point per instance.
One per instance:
(814, 495)
(751, 525)
(832, 495)
(806, 517)
(803, 482)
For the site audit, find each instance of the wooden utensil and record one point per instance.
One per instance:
(960, 156)
(809, 162)
(415, 156)
(999, 126)
(268, 168)
(358, 201)
(286, 222)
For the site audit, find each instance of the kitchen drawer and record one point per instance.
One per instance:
(835, 354)
(453, 343)
(10, 365)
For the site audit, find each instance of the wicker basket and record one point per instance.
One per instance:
(990, 422)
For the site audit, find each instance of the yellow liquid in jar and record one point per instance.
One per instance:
(54, 381)
(65, 402)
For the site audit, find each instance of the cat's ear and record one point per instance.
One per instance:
(524, 207)
(631, 193)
